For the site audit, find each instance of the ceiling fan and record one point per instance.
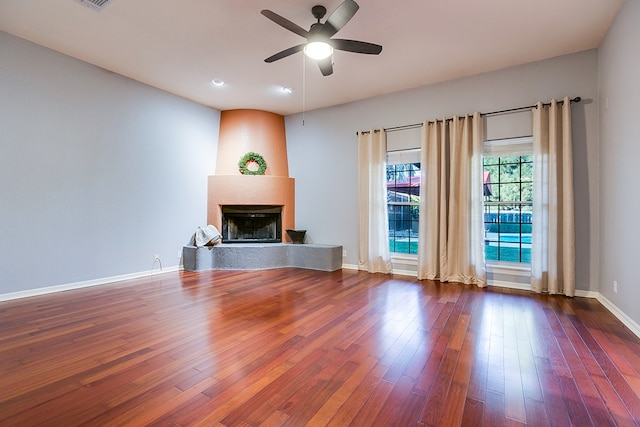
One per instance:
(319, 43)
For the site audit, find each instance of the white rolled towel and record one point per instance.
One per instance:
(207, 236)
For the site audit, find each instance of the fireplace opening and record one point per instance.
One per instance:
(251, 224)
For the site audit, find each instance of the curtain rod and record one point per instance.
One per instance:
(491, 113)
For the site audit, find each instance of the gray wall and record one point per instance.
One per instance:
(620, 148)
(98, 172)
(323, 152)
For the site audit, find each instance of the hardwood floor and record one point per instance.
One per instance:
(299, 347)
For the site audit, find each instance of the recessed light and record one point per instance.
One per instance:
(217, 82)
(287, 90)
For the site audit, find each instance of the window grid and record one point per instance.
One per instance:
(403, 198)
(508, 208)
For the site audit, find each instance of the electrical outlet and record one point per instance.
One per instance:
(179, 254)
(344, 253)
(615, 286)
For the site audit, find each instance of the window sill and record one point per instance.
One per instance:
(514, 269)
(504, 268)
(407, 259)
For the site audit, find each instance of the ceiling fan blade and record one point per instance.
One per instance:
(339, 17)
(356, 46)
(326, 66)
(285, 23)
(285, 53)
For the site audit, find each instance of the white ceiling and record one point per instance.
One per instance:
(180, 45)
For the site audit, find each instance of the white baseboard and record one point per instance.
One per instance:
(395, 270)
(587, 294)
(626, 320)
(85, 284)
(405, 272)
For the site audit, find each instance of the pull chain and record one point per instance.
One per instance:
(304, 85)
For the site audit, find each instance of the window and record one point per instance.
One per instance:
(508, 200)
(403, 204)
(508, 193)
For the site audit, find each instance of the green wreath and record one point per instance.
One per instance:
(249, 158)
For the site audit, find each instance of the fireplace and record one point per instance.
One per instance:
(241, 132)
(251, 224)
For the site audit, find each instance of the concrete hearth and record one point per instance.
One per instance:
(256, 256)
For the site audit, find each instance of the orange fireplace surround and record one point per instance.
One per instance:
(262, 132)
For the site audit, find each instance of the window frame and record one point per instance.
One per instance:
(404, 157)
(508, 147)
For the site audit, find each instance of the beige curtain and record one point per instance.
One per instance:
(373, 236)
(553, 238)
(451, 226)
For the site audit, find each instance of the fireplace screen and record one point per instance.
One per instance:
(252, 224)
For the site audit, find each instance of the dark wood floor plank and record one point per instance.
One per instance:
(513, 390)
(617, 353)
(496, 365)
(372, 406)
(423, 350)
(479, 371)
(528, 373)
(439, 390)
(473, 412)
(536, 413)
(426, 378)
(627, 348)
(308, 400)
(613, 375)
(493, 414)
(582, 388)
(557, 412)
(342, 394)
(404, 357)
(616, 407)
(346, 413)
(453, 406)
(301, 347)
(465, 361)
(409, 410)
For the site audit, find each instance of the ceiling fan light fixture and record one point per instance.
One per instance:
(319, 42)
(318, 50)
